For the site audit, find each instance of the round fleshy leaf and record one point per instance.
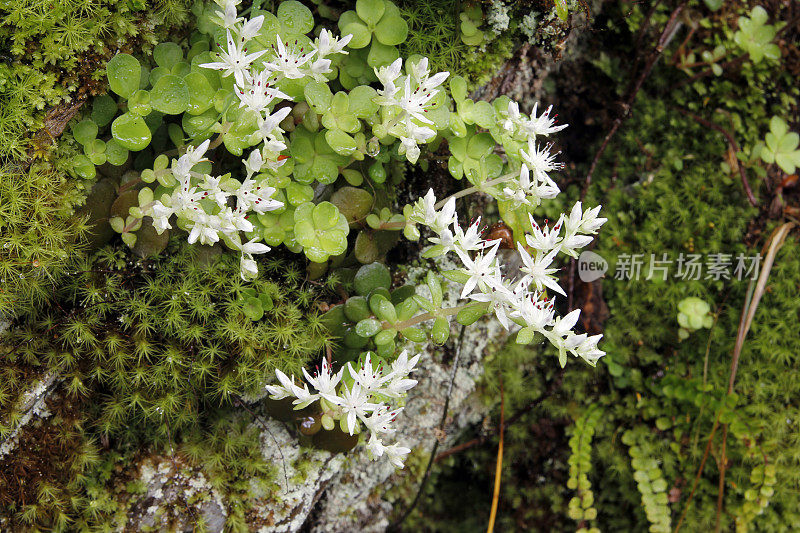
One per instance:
(341, 142)
(122, 205)
(116, 154)
(368, 327)
(370, 11)
(181, 69)
(85, 131)
(366, 249)
(139, 103)
(298, 193)
(371, 277)
(483, 114)
(83, 167)
(352, 202)
(96, 151)
(334, 242)
(170, 95)
(391, 30)
(124, 73)
(201, 95)
(377, 172)
(104, 108)
(198, 48)
(199, 126)
(175, 133)
(361, 101)
(131, 132)
(253, 309)
(167, 55)
(458, 88)
(472, 40)
(318, 95)
(295, 17)
(353, 177)
(325, 215)
(148, 241)
(381, 55)
(350, 23)
(156, 74)
(325, 170)
(480, 145)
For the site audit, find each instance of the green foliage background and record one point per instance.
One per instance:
(118, 330)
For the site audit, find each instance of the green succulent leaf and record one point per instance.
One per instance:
(116, 154)
(85, 131)
(253, 309)
(139, 103)
(124, 73)
(318, 95)
(370, 11)
(295, 17)
(391, 30)
(201, 94)
(170, 95)
(83, 167)
(167, 54)
(371, 277)
(472, 313)
(381, 54)
(341, 142)
(131, 131)
(104, 108)
(781, 146)
(368, 327)
(351, 23)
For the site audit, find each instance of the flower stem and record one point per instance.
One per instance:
(392, 225)
(134, 182)
(475, 188)
(221, 136)
(425, 317)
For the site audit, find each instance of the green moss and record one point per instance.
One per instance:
(38, 230)
(56, 49)
(157, 340)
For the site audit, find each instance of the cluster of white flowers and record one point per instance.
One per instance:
(255, 81)
(209, 223)
(410, 103)
(537, 162)
(356, 399)
(520, 301)
(206, 224)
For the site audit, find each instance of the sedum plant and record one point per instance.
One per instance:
(755, 36)
(781, 146)
(321, 127)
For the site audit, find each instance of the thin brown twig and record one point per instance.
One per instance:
(645, 25)
(628, 104)
(511, 420)
(239, 402)
(498, 469)
(755, 292)
(733, 144)
(626, 111)
(723, 460)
